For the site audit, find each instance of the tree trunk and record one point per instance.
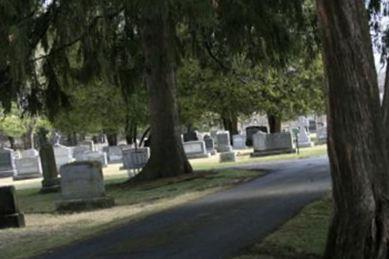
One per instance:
(274, 123)
(158, 35)
(357, 154)
(230, 123)
(11, 142)
(28, 138)
(112, 139)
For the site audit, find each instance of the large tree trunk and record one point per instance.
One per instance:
(230, 123)
(274, 123)
(356, 150)
(112, 139)
(158, 36)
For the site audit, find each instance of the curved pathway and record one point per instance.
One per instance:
(216, 226)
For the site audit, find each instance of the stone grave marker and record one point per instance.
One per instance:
(93, 156)
(239, 141)
(7, 162)
(272, 144)
(10, 215)
(209, 145)
(227, 157)
(50, 182)
(321, 135)
(135, 158)
(223, 142)
(114, 154)
(250, 131)
(82, 187)
(304, 139)
(63, 155)
(28, 165)
(195, 149)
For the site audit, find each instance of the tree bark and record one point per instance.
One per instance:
(11, 142)
(112, 139)
(274, 123)
(158, 35)
(359, 227)
(230, 123)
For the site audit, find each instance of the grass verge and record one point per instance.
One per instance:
(243, 157)
(302, 237)
(46, 229)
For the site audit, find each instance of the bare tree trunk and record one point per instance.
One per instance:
(274, 123)
(158, 36)
(230, 123)
(357, 155)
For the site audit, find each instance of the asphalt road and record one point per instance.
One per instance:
(216, 226)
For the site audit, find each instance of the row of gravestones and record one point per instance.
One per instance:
(82, 188)
(206, 147)
(27, 164)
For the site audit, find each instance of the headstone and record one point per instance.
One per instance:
(312, 126)
(190, 136)
(303, 137)
(82, 187)
(50, 182)
(135, 158)
(321, 134)
(114, 154)
(214, 136)
(79, 150)
(272, 144)
(7, 162)
(93, 156)
(250, 131)
(239, 141)
(195, 149)
(63, 155)
(88, 144)
(227, 157)
(209, 145)
(10, 215)
(223, 142)
(28, 166)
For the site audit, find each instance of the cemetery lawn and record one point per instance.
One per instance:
(243, 157)
(302, 237)
(47, 229)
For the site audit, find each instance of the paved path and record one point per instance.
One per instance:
(217, 226)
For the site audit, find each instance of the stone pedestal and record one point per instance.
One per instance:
(82, 187)
(10, 216)
(227, 157)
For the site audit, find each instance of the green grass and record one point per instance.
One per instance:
(302, 237)
(243, 157)
(47, 229)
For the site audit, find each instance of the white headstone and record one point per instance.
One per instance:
(195, 149)
(63, 155)
(276, 143)
(135, 158)
(28, 165)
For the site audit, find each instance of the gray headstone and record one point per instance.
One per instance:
(114, 154)
(28, 166)
(135, 158)
(63, 155)
(82, 187)
(269, 144)
(209, 145)
(93, 156)
(321, 134)
(195, 149)
(7, 163)
(239, 141)
(223, 141)
(10, 216)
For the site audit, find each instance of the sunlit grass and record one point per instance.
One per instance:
(302, 237)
